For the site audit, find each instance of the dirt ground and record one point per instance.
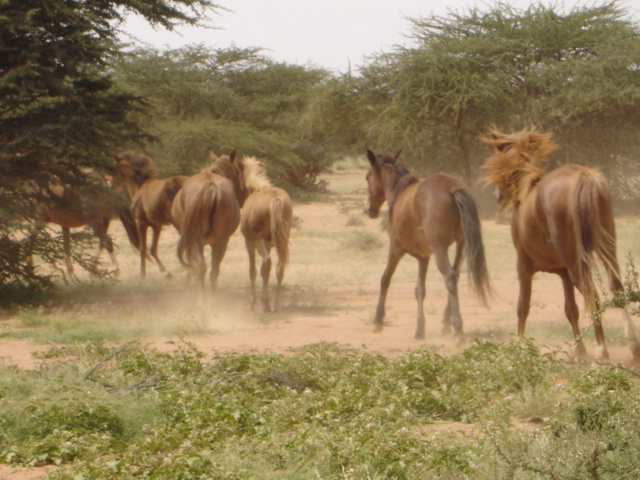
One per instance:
(338, 306)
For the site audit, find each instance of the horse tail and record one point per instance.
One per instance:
(196, 226)
(472, 229)
(125, 214)
(590, 208)
(280, 229)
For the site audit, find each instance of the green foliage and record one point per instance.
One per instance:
(323, 411)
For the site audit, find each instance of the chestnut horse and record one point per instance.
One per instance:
(151, 200)
(265, 223)
(206, 211)
(425, 217)
(562, 221)
(88, 206)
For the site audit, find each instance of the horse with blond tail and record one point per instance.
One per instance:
(266, 223)
(206, 211)
(562, 221)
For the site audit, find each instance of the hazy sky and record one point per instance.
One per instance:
(326, 33)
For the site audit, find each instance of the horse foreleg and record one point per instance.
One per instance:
(142, 231)
(107, 244)
(66, 245)
(265, 272)
(393, 258)
(572, 313)
(423, 264)
(451, 282)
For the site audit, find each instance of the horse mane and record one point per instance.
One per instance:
(514, 163)
(142, 166)
(255, 174)
(224, 167)
(401, 180)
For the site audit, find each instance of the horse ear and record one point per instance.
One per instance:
(232, 155)
(212, 156)
(372, 158)
(398, 155)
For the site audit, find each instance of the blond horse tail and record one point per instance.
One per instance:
(593, 223)
(197, 224)
(471, 226)
(280, 229)
(590, 194)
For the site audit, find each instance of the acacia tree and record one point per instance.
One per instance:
(59, 109)
(201, 98)
(574, 73)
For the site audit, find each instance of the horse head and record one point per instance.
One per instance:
(134, 169)
(383, 177)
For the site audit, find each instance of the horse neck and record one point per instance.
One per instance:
(395, 183)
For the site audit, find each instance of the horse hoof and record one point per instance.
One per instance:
(461, 339)
(419, 336)
(446, 329)
(603, 354)
(377, 328)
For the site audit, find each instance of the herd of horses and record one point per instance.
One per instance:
(562, 222)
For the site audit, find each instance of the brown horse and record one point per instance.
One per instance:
(425, 217)
(561, 222)
(151, 200)
(265, 223)
(91, 207)
(206, 211)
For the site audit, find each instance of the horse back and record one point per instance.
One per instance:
(565, 218)
(425, 215)
(153, 202)
(257, 211)
(209, 199)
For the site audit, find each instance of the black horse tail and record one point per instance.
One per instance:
(125, 214)
(472, 228)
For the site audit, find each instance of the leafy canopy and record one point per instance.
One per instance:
(60, 111)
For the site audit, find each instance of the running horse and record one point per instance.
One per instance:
(562, 221)
(265, 223)
(426, 217)
(206, 211)
(151, 200)
(89, 205)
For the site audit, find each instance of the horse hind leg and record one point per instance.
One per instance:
(616, 286)
(253, 271)
(279, 278)
(446, 318)
(265, 272)
(420, 292)
(572, 313)
(156, 231)
(218, 251)
(451, 282)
